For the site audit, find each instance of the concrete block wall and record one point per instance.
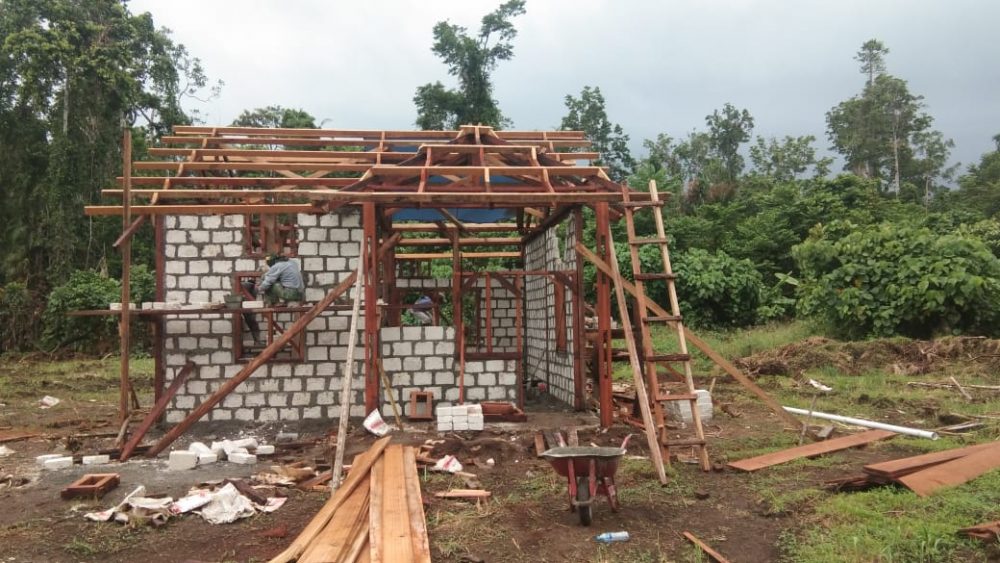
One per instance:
(422, 358)
(504, 317)
(543, 361)
(202, 252)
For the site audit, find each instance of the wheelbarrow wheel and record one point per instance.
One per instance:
(583, 497)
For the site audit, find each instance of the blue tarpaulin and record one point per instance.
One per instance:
(464, 215)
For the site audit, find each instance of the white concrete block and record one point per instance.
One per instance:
(199, 448)
(96, 459)
(265, 449)
(444, 426)
(474, 410)
(181, 460)
(253, 304)
(206, 459)
(40, 460)
(476, 422)
(243, 458)
(463, 425)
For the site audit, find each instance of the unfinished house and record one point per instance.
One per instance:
(485, 228)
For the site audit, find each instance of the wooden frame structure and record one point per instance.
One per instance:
(541, 177)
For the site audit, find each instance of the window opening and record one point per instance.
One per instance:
(254, 330)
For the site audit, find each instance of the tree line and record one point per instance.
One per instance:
(899, 242)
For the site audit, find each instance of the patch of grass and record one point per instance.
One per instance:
(103, 540)
(892, 524)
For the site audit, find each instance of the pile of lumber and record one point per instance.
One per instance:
(376, 515)
(926, 473)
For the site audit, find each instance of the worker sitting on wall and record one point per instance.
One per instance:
(421, 309)
(282, 282)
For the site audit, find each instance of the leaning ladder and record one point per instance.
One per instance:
(650, 358)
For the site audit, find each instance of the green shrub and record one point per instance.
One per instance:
(890, 279)
(717, 290)
(85, 289)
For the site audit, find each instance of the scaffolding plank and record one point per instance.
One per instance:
(811, 450)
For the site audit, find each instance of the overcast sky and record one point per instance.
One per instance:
(661, 65)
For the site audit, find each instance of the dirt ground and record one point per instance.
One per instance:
(744, 516)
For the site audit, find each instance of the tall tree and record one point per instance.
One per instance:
(872, 58)
(470, 59)
(884, 133)
(589, 114)
(71, 75)
(727, 131)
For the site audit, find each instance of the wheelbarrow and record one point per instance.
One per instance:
(590, 472)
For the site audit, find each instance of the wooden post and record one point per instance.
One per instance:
(603, 342)
(456, 310)
(265, 356)
(368, 259)
(158, 324)
(579, 385)
(345, 387)
(123, 324)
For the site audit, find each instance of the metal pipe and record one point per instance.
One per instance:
(866, 423)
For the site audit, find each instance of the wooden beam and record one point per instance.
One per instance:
(466, 241)
(210, 209)
(954, 472)
(158, 409)
(704, 547)
(700, 344)
(448, 255)
(252, 366)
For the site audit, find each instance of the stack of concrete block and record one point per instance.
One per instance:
(460, 417)
(681, 410)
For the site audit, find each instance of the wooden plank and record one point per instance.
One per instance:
(6, 437)
(207, 209)
(154, 414)
(415, 504)
(339, 534)
(701, 345)
(811, 450)
(539, 444)
(376, 500)
(252, 366)
(397, 536)
(360, 471)
(464, 493)
(902, 466)
(704, 547)
(953, 472)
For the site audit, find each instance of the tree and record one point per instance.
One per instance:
(587, 113)
(276, 116)
(872, 58)
(787, 159)
(72, 75)
(470, 60)
(727, 131)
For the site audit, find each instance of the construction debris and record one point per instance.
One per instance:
(475, 494)
(810, 450)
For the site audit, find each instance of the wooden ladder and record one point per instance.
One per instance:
(651, 359)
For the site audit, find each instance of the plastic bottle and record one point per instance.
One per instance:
(609, 537)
